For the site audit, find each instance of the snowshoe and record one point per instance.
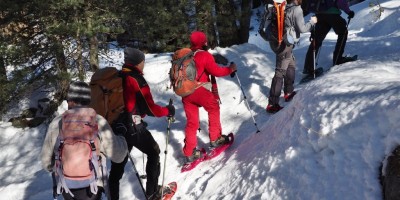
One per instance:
(191, 162)
(219, 146)
(346, 59)
(289, 96)
(273, 108)
(169, 191)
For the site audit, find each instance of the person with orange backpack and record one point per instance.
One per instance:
(203, 97)
(76, 146)
(139, 103)
(286, 28)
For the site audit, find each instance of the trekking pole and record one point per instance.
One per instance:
(313, 43)
(144, 176)
(170, 119)
(137, 175)
(341, 42)
(53, 176)
(245, 98)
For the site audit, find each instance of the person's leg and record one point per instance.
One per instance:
(116, 172)
(290, 76)
(211, 105)
(117, 169)
(283, 59)
(322, 28)
(192, 123)
(146, 144)
(339, 26)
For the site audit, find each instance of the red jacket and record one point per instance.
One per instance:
(206, 66)
(137, 96)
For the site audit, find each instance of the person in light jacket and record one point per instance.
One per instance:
(285, 62)
(113, 147)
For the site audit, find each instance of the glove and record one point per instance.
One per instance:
(233, 68)
(313, 20)
(171, 110)
(351, 14)
(119, 129)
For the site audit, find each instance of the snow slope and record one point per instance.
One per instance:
(328, 143)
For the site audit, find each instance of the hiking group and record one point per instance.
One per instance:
(106, 118)
(99, 125)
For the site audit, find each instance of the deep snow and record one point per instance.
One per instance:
(328, 143)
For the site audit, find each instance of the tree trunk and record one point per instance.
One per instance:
(3, 72)
(62, 72)
(226, 23)
(245, 18)
(93, 43)
(79, 58)
(94, 52)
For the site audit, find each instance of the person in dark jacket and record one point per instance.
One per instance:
(327, 20)
(285, 62)
(203, 97)
(138, 103)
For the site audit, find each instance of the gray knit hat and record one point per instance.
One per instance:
(79, 92)
(133, 56)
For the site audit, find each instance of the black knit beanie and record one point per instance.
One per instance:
(133, 56)
(79, 92)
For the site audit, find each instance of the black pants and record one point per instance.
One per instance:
(83, 194)
(142, 139)
(325, 23)
(284, 72)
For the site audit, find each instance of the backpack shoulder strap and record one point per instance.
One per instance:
(194, 53)
(139, 78)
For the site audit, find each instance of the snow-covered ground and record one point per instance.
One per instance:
(328, 143)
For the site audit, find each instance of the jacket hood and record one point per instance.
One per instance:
(198, 39)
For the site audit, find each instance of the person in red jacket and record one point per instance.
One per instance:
(138, 103)
(203, 97)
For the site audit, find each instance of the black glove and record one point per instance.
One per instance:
(119, 129)
(171, 110)
(351, 14)
(233, 68)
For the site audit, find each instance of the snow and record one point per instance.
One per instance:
(328, 143)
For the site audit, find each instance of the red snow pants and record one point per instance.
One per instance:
(191, 103)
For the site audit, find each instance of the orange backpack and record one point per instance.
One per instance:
(106, 93)
(77, 151)
(272, 26)
(183, 72)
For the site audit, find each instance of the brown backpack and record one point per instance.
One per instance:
(183, 72)
(106, 93)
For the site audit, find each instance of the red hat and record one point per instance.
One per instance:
(198, 39)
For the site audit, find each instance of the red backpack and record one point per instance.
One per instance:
(77, 151)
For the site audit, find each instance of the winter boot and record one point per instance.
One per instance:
(345, 59)
(223, 139)
(195, 155)
(156, 195)
(289, 96)
(273, 108)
